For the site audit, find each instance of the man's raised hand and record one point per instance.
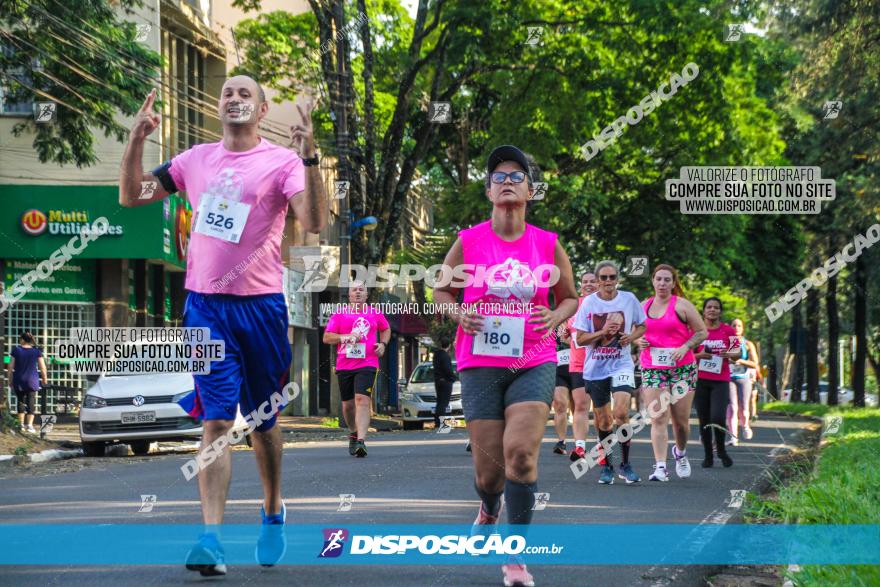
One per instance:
(146, 120)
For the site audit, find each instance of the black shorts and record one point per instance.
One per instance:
(563, 377)
(356, 381)
(600, 391)
(577, 379)
(27, 400)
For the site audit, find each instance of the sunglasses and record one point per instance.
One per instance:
(515, 176)
(608, 277)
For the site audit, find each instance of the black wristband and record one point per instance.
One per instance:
(310, 162)
(163, 174)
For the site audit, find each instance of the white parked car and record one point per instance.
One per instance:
(419, 398)
(138, 410)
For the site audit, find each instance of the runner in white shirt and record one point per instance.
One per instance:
(607, 322)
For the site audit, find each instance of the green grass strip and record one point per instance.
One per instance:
(843, 488)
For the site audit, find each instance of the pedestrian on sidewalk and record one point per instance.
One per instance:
(27, 369)
(444, 377)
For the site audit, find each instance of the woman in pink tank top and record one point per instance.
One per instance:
(669, 373)
(505, 344)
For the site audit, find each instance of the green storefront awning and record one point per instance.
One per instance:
(37, 220)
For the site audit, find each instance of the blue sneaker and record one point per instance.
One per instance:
(607, 475)
(207, 556)
(272, 543)
(627, 474)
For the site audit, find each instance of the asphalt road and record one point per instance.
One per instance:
(408, 478)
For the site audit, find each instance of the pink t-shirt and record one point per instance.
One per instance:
(366, 325)
(668, 332)
(719, 340)
(511, 275)
(265, 178)
(578, 354)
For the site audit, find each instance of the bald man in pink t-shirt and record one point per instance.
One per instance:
(241, 189)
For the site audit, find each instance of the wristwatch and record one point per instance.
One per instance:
(312, 161)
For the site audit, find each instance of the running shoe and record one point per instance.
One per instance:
(606, 477)
(468, 447)
(207, 557)
(577, 453)
(485, 519)
(659, 474)
(731, 441)
(682, 465)
(725, 459)
(559, 447)
(516, 575)
(360, 450)
(748, 434)
(272, 544)
(708, 462)
(628, 475)
(31, 429)
(352, 443)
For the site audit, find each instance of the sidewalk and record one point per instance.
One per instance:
(290, 425)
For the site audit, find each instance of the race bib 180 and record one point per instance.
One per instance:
(502, 336)
(662, 357)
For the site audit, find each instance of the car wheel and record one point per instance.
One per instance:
(94, 449)
(140, 447)
(413, 425)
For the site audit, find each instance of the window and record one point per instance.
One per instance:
(14, 101)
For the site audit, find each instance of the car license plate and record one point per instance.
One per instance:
(138, 417)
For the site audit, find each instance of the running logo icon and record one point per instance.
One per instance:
(636, 266)
(541, 501)
(147, 503)
(534, 35)
(334, 542)
(540, 190)
(44, 112)
(734, 33)
(317, 274)
(831, 109)
(346, 500)
(440, 112)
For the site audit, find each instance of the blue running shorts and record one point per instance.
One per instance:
(256, 363)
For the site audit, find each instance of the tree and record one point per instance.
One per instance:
(83, 58)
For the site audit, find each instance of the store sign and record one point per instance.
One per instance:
(72, 282)
(34, 222)
(37, 220)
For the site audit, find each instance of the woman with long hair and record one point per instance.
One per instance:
(669, 373)
(713, 381)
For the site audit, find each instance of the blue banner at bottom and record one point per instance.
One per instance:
(586, 544)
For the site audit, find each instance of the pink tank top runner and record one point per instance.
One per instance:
(667, 331)
(516, 274)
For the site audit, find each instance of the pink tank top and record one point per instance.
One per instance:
(667, 331)
(507, 277)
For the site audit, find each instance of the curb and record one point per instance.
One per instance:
(52, 454)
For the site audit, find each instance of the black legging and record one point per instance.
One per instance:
(444, 393)
(711, 400)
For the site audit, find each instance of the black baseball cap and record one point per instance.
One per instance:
(508, 153)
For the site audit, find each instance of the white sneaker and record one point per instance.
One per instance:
(682, 468)
(748, 434)
(659, 474)
(731, 441)
(31, 429)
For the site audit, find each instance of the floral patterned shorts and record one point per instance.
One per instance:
(669, 376)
